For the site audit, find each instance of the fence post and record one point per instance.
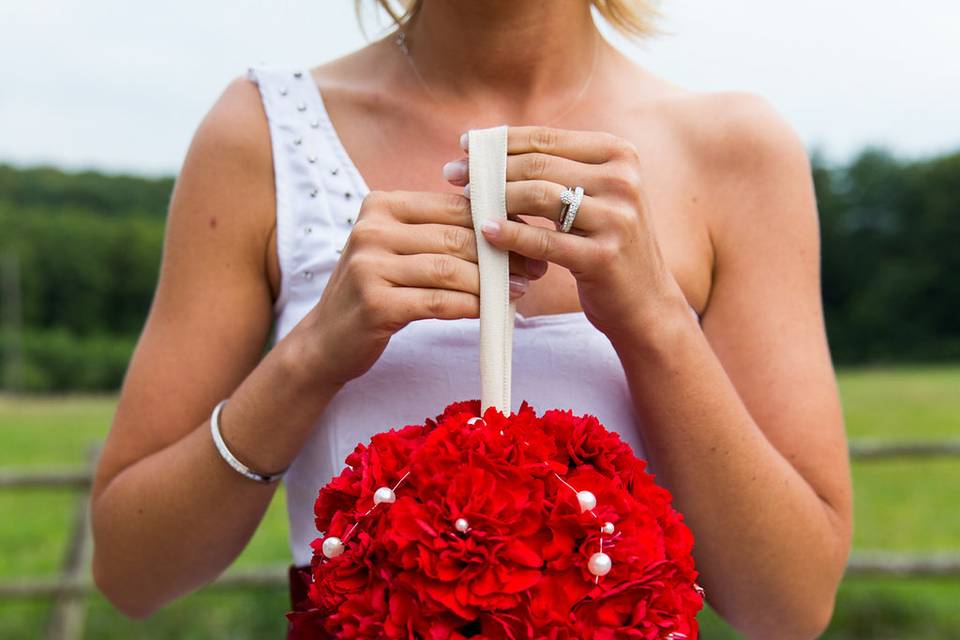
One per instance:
(69, 607)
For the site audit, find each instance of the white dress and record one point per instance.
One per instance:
(559, 360)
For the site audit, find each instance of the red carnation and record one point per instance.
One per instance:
(483, 536)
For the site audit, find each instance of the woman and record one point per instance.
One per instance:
(315, 200)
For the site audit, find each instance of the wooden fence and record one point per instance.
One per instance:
(70, 588)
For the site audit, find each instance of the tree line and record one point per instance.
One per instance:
(79, 256)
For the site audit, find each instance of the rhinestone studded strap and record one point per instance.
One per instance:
(488, 200)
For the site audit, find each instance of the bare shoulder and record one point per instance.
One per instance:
(227, 181)
(750, 160)
(745, 176)
(734, 145)
(231, 148)
(726, 131)
(236, 123)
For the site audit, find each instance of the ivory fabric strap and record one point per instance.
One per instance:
(488, 200)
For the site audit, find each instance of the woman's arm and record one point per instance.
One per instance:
(168, 514)
(742, 420)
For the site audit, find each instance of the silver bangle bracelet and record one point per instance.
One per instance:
(238, 466)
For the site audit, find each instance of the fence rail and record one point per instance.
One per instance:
(885, 450)
(78, 477)
(70, 588)
(54, 478)
(863, 564)
(56, 586)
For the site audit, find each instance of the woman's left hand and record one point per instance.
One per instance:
(612, 251)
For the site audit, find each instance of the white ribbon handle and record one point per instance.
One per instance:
(488, 200)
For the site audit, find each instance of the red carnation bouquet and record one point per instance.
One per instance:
(488, 524)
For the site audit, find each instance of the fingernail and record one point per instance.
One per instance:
(455, 170)
(536, 268)
(465, 141)
(518, 284)
(490, 228)
(466, 190)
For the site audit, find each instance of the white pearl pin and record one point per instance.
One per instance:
(607, 528)
(587, 500)
(332, 547)
(384, 494)
(461, 525)
(600, 564)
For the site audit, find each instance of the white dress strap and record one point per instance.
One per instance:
(315, 200)
(488, 171)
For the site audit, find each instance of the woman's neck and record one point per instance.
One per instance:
(521, 55)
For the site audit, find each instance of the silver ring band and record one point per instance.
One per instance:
(237, 466)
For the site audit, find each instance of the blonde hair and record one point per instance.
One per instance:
(634, 18)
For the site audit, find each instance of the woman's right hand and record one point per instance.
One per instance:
(411, 255)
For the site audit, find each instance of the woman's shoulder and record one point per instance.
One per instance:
(724, 130)
(737, 144)
(714, 132)
(230, 160)
(236, 122)
(735, 130)
(738, 162)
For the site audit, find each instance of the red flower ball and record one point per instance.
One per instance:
(485, 536)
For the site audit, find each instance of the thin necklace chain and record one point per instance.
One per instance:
(401, 41)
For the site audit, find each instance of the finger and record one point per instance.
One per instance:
(417, 207)
(593, 147)
(456, 171)
(432, 237)
(563, 171)
(565, 249)
(535, 166)
(442, 271)
(542, 198)
(434, 271)
(420, 303)
(453, 240)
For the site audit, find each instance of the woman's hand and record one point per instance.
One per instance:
(622, 280)
(411, 255)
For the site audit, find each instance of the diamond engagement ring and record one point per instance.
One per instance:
(571, 199)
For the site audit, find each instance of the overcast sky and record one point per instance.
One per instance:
(122, 85)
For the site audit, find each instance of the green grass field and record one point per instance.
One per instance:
(899, 506)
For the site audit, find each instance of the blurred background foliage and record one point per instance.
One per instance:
(890, 230)
(87, 249)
